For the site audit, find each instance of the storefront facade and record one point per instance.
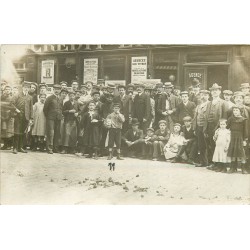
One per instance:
(228, 65)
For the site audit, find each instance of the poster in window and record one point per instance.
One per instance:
(138, 69)
(90, 72)
(47, 72)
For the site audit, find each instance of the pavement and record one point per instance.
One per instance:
(41, 178)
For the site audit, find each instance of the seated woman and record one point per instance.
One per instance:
(174, 144)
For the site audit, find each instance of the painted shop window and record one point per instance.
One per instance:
(114, 68)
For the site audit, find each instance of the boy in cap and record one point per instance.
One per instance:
(23, 104)
(160, 139)
(117, 120)
(133, 139)
(189, 147)
(147, 144)
(227, 94)
(53, 113)
(185, 108)
(198, 126)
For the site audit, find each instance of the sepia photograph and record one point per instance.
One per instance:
(125, 124)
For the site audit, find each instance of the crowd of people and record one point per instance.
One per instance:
(206, 128)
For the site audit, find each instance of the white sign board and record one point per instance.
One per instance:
(47, 72)
(90, 72)
(138, 69)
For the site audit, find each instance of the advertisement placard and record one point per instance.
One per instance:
(90, 72)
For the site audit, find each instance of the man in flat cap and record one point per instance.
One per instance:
(216, 109)
(185, 108)
(23, 104)
(166, 106)
(245, 88)
(53, 113)
(198, 125)
(126, 105)
(142, 107)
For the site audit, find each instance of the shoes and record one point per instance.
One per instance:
(212, 167)
(154, 159)
(50, 152)
(89, 156)
(189, 161)
(34, 149)
(14, 151)
(201, 165)
(63, 152)
(175, 160)
(23, 150)
(4, 147)
(119, 157)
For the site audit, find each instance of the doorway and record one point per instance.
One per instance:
(217, 74)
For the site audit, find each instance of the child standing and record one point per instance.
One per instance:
(161, 137)
(222, 140)
(239, 136)
(39, 125)
(117, 119)
(174, 144)
(90, 123)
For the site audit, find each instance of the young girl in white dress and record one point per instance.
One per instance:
(222, 139)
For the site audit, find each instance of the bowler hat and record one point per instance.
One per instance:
(95, 91)
(134, 121)
(139, 85)
(131, 85)
(111, 85)
(215, 86)
(63, 82)
(25, 83)
(121, 86)
(71, 92)
(168, 85)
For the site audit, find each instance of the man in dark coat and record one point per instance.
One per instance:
(216, 109)
(53, 113)
(23, 105)
(133, 139)
(142, 107)
(166, 106)
(126, 104)
(157, 96)
(185, 108)
(195, 95)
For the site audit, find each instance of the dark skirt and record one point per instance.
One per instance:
(70, 134)
(91, 136)
(20, 124)
(236, 148)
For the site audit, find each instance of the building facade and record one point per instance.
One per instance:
(227, 65)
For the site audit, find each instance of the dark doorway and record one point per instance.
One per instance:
(217, 74)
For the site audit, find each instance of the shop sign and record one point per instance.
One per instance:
(196, 75)
(90, 72)
(47, 72)
(138, 69)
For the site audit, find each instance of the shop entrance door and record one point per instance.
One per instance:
(217, 74)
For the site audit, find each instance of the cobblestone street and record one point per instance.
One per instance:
(40, 178)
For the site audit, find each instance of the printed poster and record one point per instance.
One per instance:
(47, 72)
(138, 69)
(90, 72)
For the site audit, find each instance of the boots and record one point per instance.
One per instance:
(233, 168)
(224, 168)
(243, 168)
(219, 168)
(95, 155)
(110, 155)
(119, 156)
